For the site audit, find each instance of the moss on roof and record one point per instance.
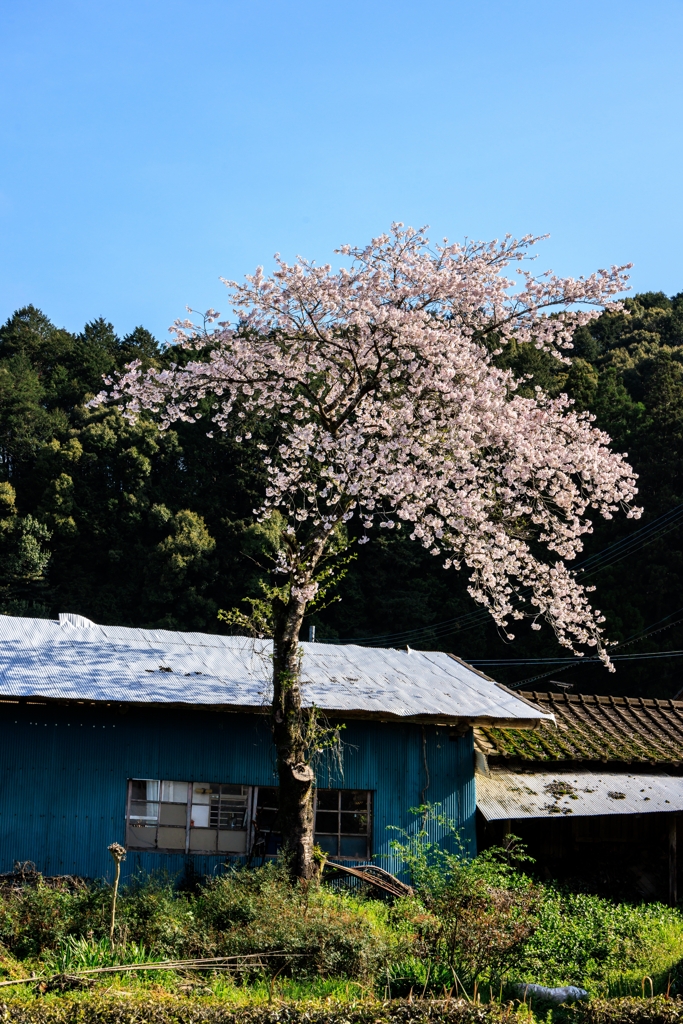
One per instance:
(592, 728)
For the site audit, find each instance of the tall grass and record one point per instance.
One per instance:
(608, 948)
(346, 940)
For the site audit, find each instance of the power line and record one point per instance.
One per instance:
(570, 662)
(642, 634)
(657, 655)
(662, 524)
(594, 563)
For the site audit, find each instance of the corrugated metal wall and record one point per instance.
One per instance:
(64, 770)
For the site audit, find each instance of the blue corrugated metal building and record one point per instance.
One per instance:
(161, 741)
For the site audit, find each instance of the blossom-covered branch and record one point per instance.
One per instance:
(382, 377)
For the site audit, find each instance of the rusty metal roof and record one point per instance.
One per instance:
(628, 730)
(506, 795)
(75, 659)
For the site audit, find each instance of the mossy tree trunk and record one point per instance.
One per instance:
(292, 723)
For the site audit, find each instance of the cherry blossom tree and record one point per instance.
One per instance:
(390, 408)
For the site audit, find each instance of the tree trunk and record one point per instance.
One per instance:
(296, 777)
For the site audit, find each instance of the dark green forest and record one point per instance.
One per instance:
(126, 525)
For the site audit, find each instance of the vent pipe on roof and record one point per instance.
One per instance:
(79, 621)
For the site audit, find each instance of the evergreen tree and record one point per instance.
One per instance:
(124, 525)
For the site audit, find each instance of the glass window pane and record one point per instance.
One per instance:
(143, 812)
(353, 799)
(354, 823)
(327, 843)
(174, 792)
(171, 838)
(203, 839)
(268, 797)
(267, 840)
(266, 808)
(354, 846)
(232, 842)
(230, 790)
(229, 807)
(273, 844)
(141, 837)
(327, 821)
(235, 803)
(266, 819)
(225, 818)
(144, 789)
(328, 799)
(202, 792)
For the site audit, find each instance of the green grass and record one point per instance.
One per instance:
(341, 945)
(608, 948)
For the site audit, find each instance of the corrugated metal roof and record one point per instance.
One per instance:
(78, 660)
(590, 728)
(503, 795)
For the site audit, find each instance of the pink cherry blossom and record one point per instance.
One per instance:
(382, 378)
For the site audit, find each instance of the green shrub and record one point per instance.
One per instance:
(326, 931)
(659, 1010)
(473, 916)
(36, 916)
(154, 914)
(472, 923)
(590, 941)
(162, 1008)
(320, 930)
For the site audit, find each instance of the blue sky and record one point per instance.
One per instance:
(147, 147)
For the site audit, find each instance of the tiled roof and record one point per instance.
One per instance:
(628, 730)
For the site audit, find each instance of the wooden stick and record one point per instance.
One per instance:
(200, 964)
(118, 852)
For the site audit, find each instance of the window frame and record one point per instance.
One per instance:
(189, 829)
(339, 813)
(251, 821)
(368, 834)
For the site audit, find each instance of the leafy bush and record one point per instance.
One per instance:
(471, 924)
(590, 941)
(327, 931)
(321, 931)
(479, 912)
(659, 1010)
(36, 916)
(163, 1008)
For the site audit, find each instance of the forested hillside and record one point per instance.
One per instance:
(125, 525)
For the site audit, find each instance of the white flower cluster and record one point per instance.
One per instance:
(391, 409)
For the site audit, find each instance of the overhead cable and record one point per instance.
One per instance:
(589, 566)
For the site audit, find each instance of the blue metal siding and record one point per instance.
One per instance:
(63, 773)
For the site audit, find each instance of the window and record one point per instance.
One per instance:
(217, 817)
(202, 817)
(343, 823)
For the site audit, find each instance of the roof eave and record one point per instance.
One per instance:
(441, 719)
